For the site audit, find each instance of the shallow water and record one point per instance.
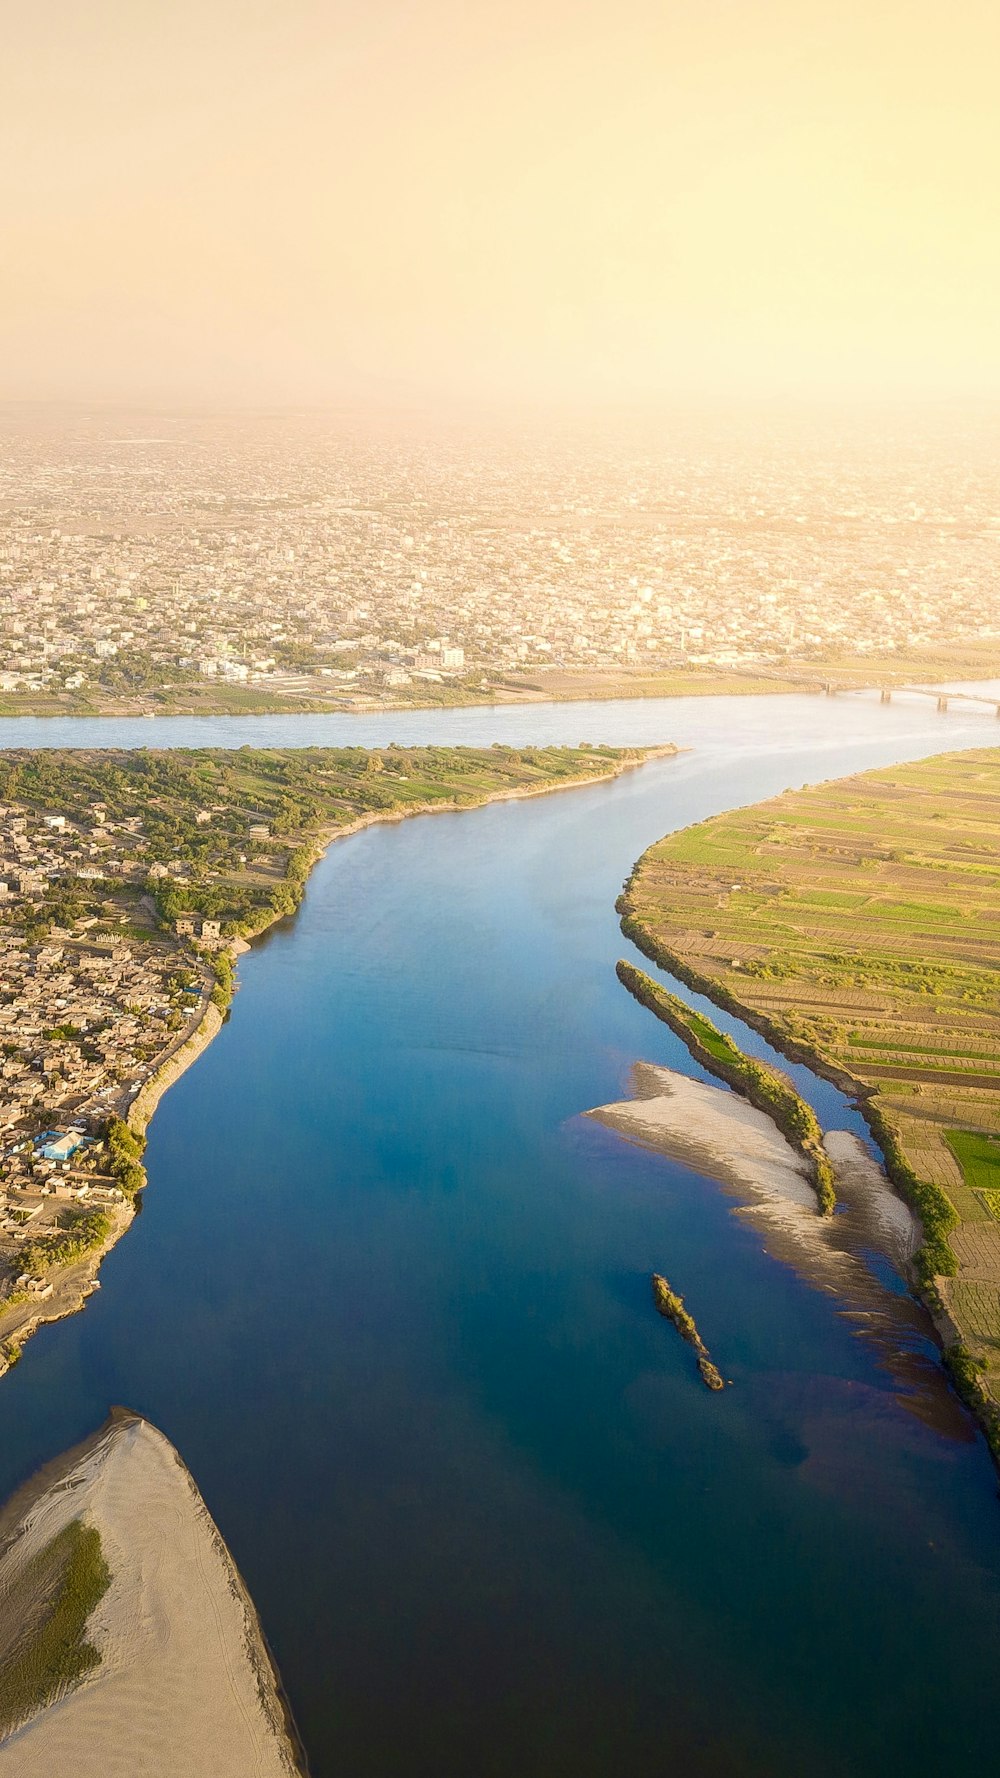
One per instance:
(389, 1295)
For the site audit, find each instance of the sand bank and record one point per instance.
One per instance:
(184, 1687)
(716, 1133)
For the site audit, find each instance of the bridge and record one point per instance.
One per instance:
(941, 698)
(806, 681)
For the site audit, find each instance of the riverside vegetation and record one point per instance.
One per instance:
(856, 925)
(130, 881)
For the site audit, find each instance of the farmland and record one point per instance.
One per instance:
(857, 924)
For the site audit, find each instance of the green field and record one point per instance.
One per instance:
(858, 923)
(978, 1156)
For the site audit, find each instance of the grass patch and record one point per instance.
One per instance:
(43, 1616)
(716, 1042)
(979, 1158)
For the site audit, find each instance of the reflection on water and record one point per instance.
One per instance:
(389, 1296)
(860, 1255)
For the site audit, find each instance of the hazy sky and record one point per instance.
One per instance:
(291, 201)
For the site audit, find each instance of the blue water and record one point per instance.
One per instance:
(389, 1295)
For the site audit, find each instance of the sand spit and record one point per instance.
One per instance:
(715, 1132)
(184, 1687)
(870, 1199)
(718, 1133)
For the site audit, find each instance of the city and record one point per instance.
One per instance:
(291, 561)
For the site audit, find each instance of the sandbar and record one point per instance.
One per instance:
(184, 1687)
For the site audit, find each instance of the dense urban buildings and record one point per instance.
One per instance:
(307, 555)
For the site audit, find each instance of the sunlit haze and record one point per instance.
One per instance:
(335, 199)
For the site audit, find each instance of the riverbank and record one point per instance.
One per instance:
(856, 929)
(327, 837)
(314, 694)
(206, 699)
(72, 1285)
(167, 1668)
(68, 1287)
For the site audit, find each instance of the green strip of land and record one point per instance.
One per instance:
(765, 1088)
(857, 925)
(134, 683)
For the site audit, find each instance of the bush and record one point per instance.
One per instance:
(125, 1150)
(82, 1231)
(225, 980)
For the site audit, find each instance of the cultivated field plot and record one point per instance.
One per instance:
(862, 919)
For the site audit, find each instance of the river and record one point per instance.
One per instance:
(389, 1296)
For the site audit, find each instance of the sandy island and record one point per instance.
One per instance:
(184, 1686)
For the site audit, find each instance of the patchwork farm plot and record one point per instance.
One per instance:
(860, 921)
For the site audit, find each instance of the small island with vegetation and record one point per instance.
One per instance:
(672, 1307)
(856, 925)
(129, 883)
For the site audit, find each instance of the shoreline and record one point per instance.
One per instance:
(78, 1282)
(954, 1358)
(528, 699)
(805, 678)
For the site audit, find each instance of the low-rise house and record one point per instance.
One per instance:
(59, 1145)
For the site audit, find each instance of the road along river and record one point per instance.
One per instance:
(389, 1296)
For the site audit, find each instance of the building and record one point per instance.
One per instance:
(59, 1145)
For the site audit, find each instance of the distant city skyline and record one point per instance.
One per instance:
(300, 557)
(382, 200)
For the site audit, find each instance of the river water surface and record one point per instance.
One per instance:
(389, 1296)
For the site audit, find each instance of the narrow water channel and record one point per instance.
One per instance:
(389, 1295)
